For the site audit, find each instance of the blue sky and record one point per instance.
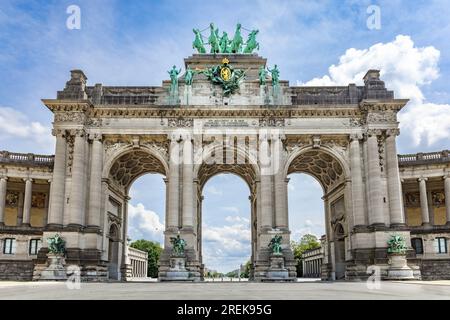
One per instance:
(136, 42)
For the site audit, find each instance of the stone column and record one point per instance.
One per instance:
(281, 215)
(188, 183)
(77, 205)
(27, 201)
(266, 184)
(424, 201)
(125, 259)
(397, 214)
(57, 189)
(174, 185)
(95, 184)
(359, 218)
(47, 203)
(3, 183)
(375, 194)
(447, 197)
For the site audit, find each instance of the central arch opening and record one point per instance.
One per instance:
(226, 235)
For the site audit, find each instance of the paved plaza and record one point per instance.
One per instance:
(226, 290)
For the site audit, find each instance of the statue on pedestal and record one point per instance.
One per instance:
(275, 73)
(189, 76)
(198, 42)
(56, 262)
(236, 43)
(178, 245)
(252, 44)
(213, 39)
(262, 76)
(275, 245)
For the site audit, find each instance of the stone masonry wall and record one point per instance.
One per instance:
(435, 269)
(16, 270)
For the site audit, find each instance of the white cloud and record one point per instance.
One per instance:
(405, 68)
(211, 189)
(230, 209)
(236, 219)
(226, 247)
(144, 223)
(17, 126)
(427, 121)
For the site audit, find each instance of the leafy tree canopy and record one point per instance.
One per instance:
(307, 242)
(154, 252)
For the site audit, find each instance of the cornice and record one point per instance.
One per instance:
(377, 105)
(285, 112)
(56, 105)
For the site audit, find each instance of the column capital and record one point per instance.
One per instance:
(186, 136)
(392, 132)
(50, 180)
(373, 132)
(27, 179)
(4, 178)
(96, 137)
(174, 137)
(277, 136)
(78, 132)
(59, 133)
(446, 176)
(422, 179)
(355, 136)
(263, 136)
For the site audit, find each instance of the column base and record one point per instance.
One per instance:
(398, 226)
(426, 225)
(53, 227)
(73, 227)
(378, 227)
(360, 228)
(92, 229)
(26, 225)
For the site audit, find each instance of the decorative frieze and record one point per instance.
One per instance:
(382, 117)
(271, 122)
(438, 198)
(412, 199)
(180, 122)
(12, 199)
(77, 117)
(38, 200)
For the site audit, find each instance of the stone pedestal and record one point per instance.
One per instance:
(177, 270)
(277, 270)
(398, 268)
(55, 269)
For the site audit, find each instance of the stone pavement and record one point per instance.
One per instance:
(226, 290)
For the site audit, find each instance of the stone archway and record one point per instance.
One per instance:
(247, 173)
(125, 167)
(331, 171)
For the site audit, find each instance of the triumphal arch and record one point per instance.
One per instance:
(226, 110)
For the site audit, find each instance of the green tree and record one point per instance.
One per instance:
(307, 242)
(154, 252)
(247, 267)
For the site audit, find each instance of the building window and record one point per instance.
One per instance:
(9, 246)
(417, 244)
(441, 245)
(35, 245)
